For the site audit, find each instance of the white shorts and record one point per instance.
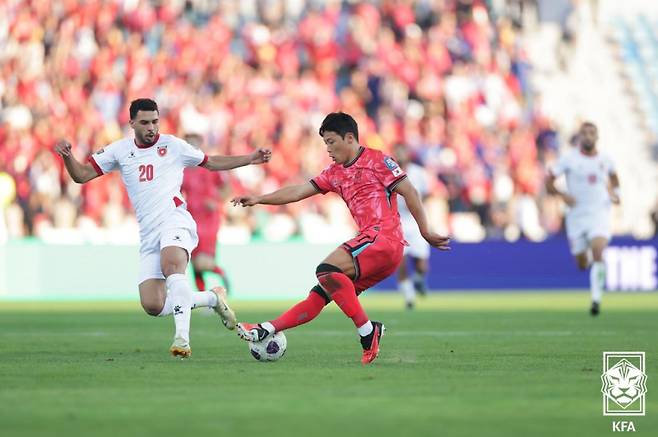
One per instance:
(582, 229)
(179, 231)
(418, 247)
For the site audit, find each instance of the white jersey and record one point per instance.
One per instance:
(587, 181)
(418, 178)
(152, 176)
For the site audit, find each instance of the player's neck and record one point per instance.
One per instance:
(141, 145)
(591, 152)
(354, 155)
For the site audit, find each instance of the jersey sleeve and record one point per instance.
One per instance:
(389, 173)
(190, 155)
(610, 165)
(322, 182)
(105, 160)
(560, 167)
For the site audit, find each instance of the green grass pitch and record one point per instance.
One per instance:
(466, 364)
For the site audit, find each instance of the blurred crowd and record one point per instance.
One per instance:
(447, 78)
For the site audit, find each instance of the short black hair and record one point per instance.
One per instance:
(142, 105)
(341, 123)
(588, 124)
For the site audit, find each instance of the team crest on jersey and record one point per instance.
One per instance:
(162, 150)
(393, 166)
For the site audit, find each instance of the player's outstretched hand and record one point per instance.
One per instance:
(245, 201)
(261, 156)
(439, 241)
(63, 148)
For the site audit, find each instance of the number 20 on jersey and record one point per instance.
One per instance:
(145, 172)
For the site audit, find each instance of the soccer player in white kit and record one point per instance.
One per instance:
(592, 186)
(418, 249)
(151, 167)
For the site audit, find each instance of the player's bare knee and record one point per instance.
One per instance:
(152, 308)
(172, 268)
(421, 265)
(203, 262)
(582, 262)
(173, 264)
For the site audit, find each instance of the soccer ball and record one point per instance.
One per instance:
(270, 349)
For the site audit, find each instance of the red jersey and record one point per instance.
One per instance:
(366, 185)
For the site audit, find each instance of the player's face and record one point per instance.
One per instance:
(589, 135)
(339, 149)
(146, 125)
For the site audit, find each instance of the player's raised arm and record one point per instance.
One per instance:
(219, 162)
(80, 172)
(415, 206)
(290, 194)
(552, 189)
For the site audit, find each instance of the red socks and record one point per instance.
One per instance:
(341, 289)
(303, 312)
(198, 279)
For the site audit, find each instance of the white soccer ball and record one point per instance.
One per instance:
(270, 349)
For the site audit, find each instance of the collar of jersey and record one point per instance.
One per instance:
(144, 146)
(356, 158)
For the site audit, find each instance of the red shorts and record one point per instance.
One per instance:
(376, 257)
(207, 242)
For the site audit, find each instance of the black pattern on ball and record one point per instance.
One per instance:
(272, 347)
(255, 354)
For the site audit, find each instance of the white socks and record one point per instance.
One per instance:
(180, 294)
(365, 329)
(596, 280)
(204, 299)
(199, 300)
(408, 291)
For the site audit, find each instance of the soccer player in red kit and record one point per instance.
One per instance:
(203, 191)
(369, 182)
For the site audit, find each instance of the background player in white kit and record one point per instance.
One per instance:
(592, 185)
(151, 167)
(418, 249)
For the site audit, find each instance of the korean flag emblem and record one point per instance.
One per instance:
(393, 166)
